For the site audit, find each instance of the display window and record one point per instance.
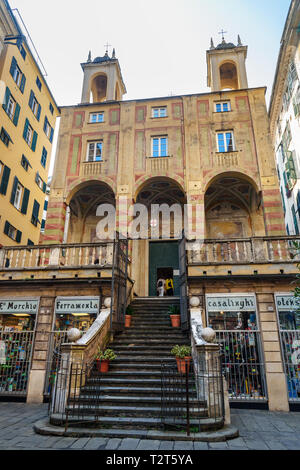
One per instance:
(70, 312)
(288, 312)
(17, 325)
(234, 319)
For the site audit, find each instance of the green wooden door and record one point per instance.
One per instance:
(163, 255)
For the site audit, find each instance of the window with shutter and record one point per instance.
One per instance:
(4, 180)
(35, 213)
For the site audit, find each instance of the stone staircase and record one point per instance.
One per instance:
(127, 399)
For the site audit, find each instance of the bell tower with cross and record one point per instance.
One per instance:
(102, 79)
(226, 68)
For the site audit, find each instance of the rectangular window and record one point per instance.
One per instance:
(35, 213)
(223, 106)
(11, 107)
(96, 117)
(29, 135)
(29, 242)
(34, 105)
(159, 112)
(5, 173)
(12, 232)
(51, 108)
(287, 136)
(44, 157)
(295, 220)
(41, 184)
(48, 129)
(17, 75)
(160, 146)
(38, 83)
(18, 196)
(94, 152)
(25, 163)
(225, 141)
(4, 136)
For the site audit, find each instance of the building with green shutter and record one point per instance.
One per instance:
(28, 114)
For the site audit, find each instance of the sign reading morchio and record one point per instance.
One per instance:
(18, 306)
(231, 304)
(77, 305)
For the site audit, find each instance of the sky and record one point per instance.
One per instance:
(161, 44)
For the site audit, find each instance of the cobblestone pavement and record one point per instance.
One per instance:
(259, 430)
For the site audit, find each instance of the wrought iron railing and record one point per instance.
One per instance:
(15, 361)
(192, 395)
(242, 364)
(75, 395)
(290, 346)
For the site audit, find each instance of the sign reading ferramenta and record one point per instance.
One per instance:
(231, 304)
(77, 304)
(18, 306)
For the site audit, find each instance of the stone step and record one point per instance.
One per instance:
(111, 408)
(135, 341)
(216, 433)
(127, 381)
(133, 390)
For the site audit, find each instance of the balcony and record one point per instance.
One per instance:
(51, 257)
(227, 159)
(256, 250)
(158, 165)
(93, 168)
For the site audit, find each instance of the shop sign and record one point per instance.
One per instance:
(77, 305)
(231, 304)
(18, 306)
(287, 302)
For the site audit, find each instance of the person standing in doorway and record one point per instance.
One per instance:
(161, 285)
(170, 286)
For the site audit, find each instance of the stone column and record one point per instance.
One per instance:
(40, 356)
(275, 376)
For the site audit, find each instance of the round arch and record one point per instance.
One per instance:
(142, 183)
(83, 182)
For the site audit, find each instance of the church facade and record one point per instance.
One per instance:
(209, 157)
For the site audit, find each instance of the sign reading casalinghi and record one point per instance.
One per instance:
(231, 304)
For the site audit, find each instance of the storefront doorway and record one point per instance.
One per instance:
(17, 326)
(289, 327)
(163, 264)
(234, 318)
(70, 312)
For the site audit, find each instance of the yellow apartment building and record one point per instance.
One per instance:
(28, 114)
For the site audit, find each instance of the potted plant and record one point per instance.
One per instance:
(174, 313)
(128, 314)
(103, 358)
(183, 357)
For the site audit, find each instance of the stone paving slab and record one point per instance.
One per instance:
(258, 430)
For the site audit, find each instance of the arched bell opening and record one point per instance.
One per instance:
(228, 76)
(84, 213)
(99, 88)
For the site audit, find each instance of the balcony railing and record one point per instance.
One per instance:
(85, 255)
(243, 250)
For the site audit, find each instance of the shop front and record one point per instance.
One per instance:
(234, 318)
(17, 327)
(69, 312)
(288, 315)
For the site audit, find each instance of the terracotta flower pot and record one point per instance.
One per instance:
(127, 321)
(102, 365)
(175, 320)
(183, 364)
